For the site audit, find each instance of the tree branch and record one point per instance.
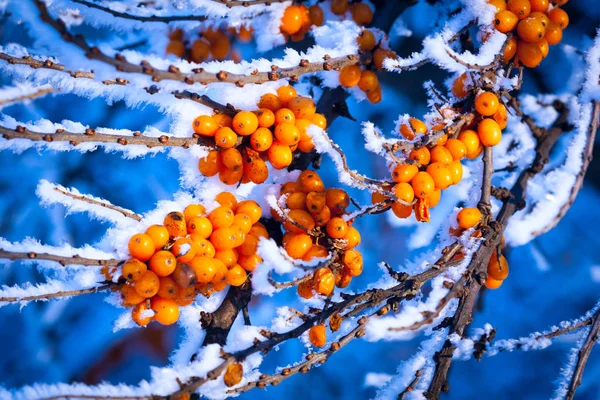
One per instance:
(62, 260)
(583, 356)
(57, 294)
(29, 96)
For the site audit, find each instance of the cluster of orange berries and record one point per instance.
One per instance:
(192, 252)
(497, 268)
(534, 25)
(250, 138)
(298, 19)
(315, 225)
(212, 44)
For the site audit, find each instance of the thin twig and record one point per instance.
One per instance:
(30, 96)
(86, 199)
(62, 260)
(68, 293)
(583, 355)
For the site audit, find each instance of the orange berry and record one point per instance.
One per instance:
(147, 285)
(316, 251)
(319, 120)
(167, 289)
(377, 197)
(159, 235)
(492, 283)
(289, 187)
(521, 8)
(223, 120)
(176, 48)
(486, 103)
(286, 94)
(380, 55)
(489, 132)
(250, 245)
(305, 289)
(266, 118)
(256, 170)
(318, 335)
(366, 40)
(133, 269)
(459, 86)
(183, 250)
(296, 201)
(353, 261)
(401, 210)
(559, 17)
(236, 276)
(175, 224)
(184, 276)
(232, 159)
(204, 267)
(499, 4)
(350, 75)
(141, 246)
(421, 208)
(249, 263)
(225, 138)
(498, 269)
(219, 47)
(285, 115)
(456, 172)
(339, 7)
(129, 296)
(233, 375)
(261, 139)
(298, 245)
(457, 149)
(202, 246)
(221, 217)
(279, 155)
(245, 123)
(306, 146)
(421, 156)
(510, 50)
(352, 238)
(324, 281)
(544, 48)
(434, 198)
(231, 176)
(303, 107)
(192, 211)
(186, 296)
(287, 134)
(228, 257)
(404, 172)
(244, 222)
(471, 141)
(251, 208)
(505, 21)
(414, 127)
(224, 238)
(343, 279)
(337, 200)
(205, 125)
(337, 228)
(539, 5)
(423, 184)
(227, 199)
(136, 314)
(166, 310)
(501, 116)
(315, 201)
(553, 33)
(361, 13)
(270, 101)
(299, 221)
(404, 192)
(441, 154)
(531, 29)
(209, 165)
(177, 34)
(259, 230)
(441, 175)
(541, 16)
(163, 263)
(244, 35)
(468, 217)
(291, 22)
(200, 51)
(316, 15)
(310, 181)
(368, 81)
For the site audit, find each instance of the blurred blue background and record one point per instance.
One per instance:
(555, 277)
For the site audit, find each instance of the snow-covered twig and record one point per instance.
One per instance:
(142, 18)
(62, 260)
(47, 64)
(583, 355)
(27, 96)
(47, 296)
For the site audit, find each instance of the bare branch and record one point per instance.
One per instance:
(142, 18)
(583, 355)
(29, 96)
(58, 294)
(89, 200)
(62, 260)
(47, 64)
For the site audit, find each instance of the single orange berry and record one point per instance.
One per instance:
(221, 217)
(456, 173)
(168, 288)
(553, 33)
(305, 289)
(250, 245)
(193, 210)
(318, 335)
(245, 123)
(366, 40)
(225, 138)
(353, 261)
(286, 94)
(510, 50)
(236, 276)
(287, 134)
(441, 175)
(175, 224)
(529, 54)
(205, 125)
(339, 7)
(227, 199)
(380, 55)
(228, 257)
(231, 176)
(166, 310)
(361, 13)
(471, 141)
(492, 283)
(337, 228)
(176, 48)
(421, 156)
(434, 198)
(279, 155)
(232, 159)
(543, 17)
(137, 314)
(270, 102)
(423, 184)
(133, 269)
(224, 238)
(129, 296)
(457, 149)
(531, 29)
(266, 118)
(559, 17)
(205, 268)
(521, 8)
(489, 132)
(352, 238)
(296, 201)
(440, 154)
(251, 208)
(233, 375)
(404, 192)
(468, 217)
(183, 250)
(498, 268)
(209, 165)
(314, 201)
(310, 181)
(244, 222)
(303, 107)
(316, 251)
(147, 285)
(322, 217)
(159, 235)
(539, 5)
(505, 21)
(291, 22)
(499, 4)
(414, 127)
(200, 51)
(324, 281)
(219, 47)
(259, 230)
(202, 246)
(400, 210)
(249, 263)
(368, 81)
(486, 103)
(337, 200)
(350, 75)
(544, 48)
(319, 120)
(298, 245)
(404, 172)
(261, 139)
(163, 263)
(141, 246)
(299, 221)
(316, 15)
(459, 86)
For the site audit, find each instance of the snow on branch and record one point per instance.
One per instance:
(23, 92)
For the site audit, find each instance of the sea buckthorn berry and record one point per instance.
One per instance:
(302, 124)
(559, 17)
(489, 132)
(204, 268)
(457, 149)
(141, 246)
(404, 172)
(343, 279)
(291, 22)
(147, 285)
(228, 257)
(289, 187)
(270, 101)
(505, 21)
(316, 15)
(186, 296)
(421, 156)
(531, 30)
(298, 245)
(166, 310)
(459, 86)
(421, 209)
(492, 283)
(318, 335)
(236, 276)
(486, 103)
(501, 116)
(339, 7)
(456, 173)
(434, 198)
(303, 107)
(232, 159)
(306, 146)
(337, 228)
(163, 263)
(209, 165)
(559, 3)
(316, 251)
(176, 34)
(136, 314)
(319, 120)
(310, 181)
(259, 230)
(444, 138)
(133, 269)
(541, 16)
(350, 75)
(222, 120)
(221, 217)
(199, 51)
(284, 115)
(404, 192)
(468, 217)
(193, 211)
(184, 275)
(287, 134)
(553, 33)
(510, 50)
(423, 184)
(227, 199)
(225, 138)
(400, 210)
(261, 139)
(441, 175)
(219, 47)
(286, 94)
(539, 5)
(366, 40)
(352, 238)
(322, 217)
(175, 224)
(353, 260)
(414, 127)
(337, 200)
(159, 235)
(244, 222)
(129, 296)
(183, 250)
(245, 123)
(249, 263)
(251, 208)
(374, 96)
(305, 289)
(176, 48)
(529, 54)
(315, 201)
(361, 13)
(233, 375)
(299, 221)
(279, 155)
(544, 48)
(521, 8)
(231, 176)
(380, 55)
(250, 245)
(471, 141)
(205, 125)
(324, 281)
(266, 118)
(440, 154)
(224, 238)
(499, 4)
(257, 170)
(167, 289)
(296, 201)
(498, 269)
(368, 81)
(202, 246)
